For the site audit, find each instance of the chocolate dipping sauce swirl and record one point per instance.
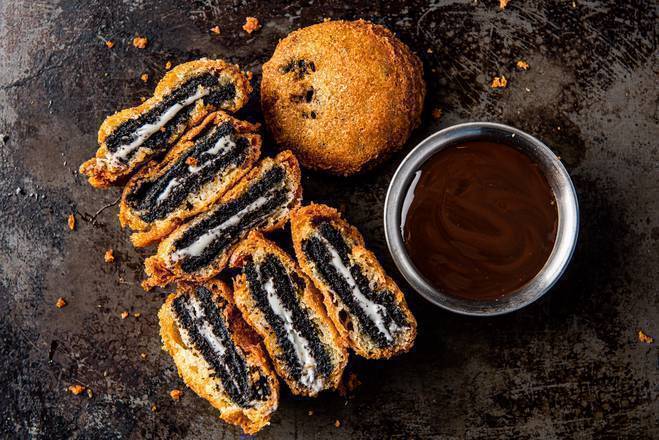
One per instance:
(479, 220)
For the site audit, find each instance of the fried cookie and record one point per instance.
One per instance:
(283, 306)
(217, 355)
(367, 307)
(342, 95)
(209, 160)
(199, 249)
(184, 96)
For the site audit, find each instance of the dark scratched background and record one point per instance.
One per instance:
(568, 366)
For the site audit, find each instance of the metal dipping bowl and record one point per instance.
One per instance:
(561, 185)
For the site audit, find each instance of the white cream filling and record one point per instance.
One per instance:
(300, 344)
(222, 146)
(147, 130)
(375, 312)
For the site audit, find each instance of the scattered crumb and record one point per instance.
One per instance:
(142, 99)
(503, 4)
(643, 337)
(251, 24)
(521, 64)
(154, 408)
(124, 315)
(140, 42)
(137, 314)
(109, 44)
(436, 113)
(191, 161)
(168, 65)
(144, 77)
(61, 302)
(143, 355)
(429, 50)
(76, 389)
(90, 394)
(215, 30)
(499, 82)
(310, 412)
(176, 394)
(72, 222)
(109, 256)
(337, 424)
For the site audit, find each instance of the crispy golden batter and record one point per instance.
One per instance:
(303, 225)
(162, 268)
(103, 172)
(342, 95)
(200, 200)
(256, 247)
(199, 376)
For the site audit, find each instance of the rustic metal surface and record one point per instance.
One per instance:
(568, 366)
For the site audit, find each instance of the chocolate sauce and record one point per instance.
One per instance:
(479, 220)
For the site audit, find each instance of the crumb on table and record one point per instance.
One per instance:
(503, 4)
(109, 256)
(137, 314)
(176, 394)
(71, 221)
(310, 412)
(251, 24)
(337, 424)
(499, 82)
(76, 389)
(154, 408)
(193, 162)
(644, 337)
(521, 64)
(61, 302)
(168, 65)
(216, 30)
(144, 77)
(140, 42)
(436, 113)
(124, 314)
(109, 44)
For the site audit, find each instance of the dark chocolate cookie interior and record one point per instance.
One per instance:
(231, 220)
(288, 290)
(317, 248)
(219, 94)
(203, 319)
(217, 150)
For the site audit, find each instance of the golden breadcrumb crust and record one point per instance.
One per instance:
(102, 173)
(256, 247)
(195, 372)
(161, 271)
(303, 225)
(357, 103)
(146, 233)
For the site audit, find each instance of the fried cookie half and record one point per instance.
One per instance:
(342, 95)
(367, 306)
(217, 355)
(184, 96)
(200, 249)
(283, 306)
(208, 161)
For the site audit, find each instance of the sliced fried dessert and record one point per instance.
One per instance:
(184, 96)
(366, 305)
(217, 355)
(282, 305)
(200, 249)
(207, 161)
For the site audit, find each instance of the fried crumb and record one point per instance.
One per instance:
(168, 65)
(503, 4)
(499, 82)
(521, 64)
(143, 355)
(137, 314)
(140, 42)
(76, 389)
(61, 302)
(215, 30)
(142, 99)
(251, 24)
(109, 44)
(176, 394)
(193, 162)
(645, 338)
(124, 315)
(436, 113)
(90, 394)
(337, 424)
(154, 408)
(310, 412)
(144, 77)
(109, 256)
(429, 50)
(71, 221)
